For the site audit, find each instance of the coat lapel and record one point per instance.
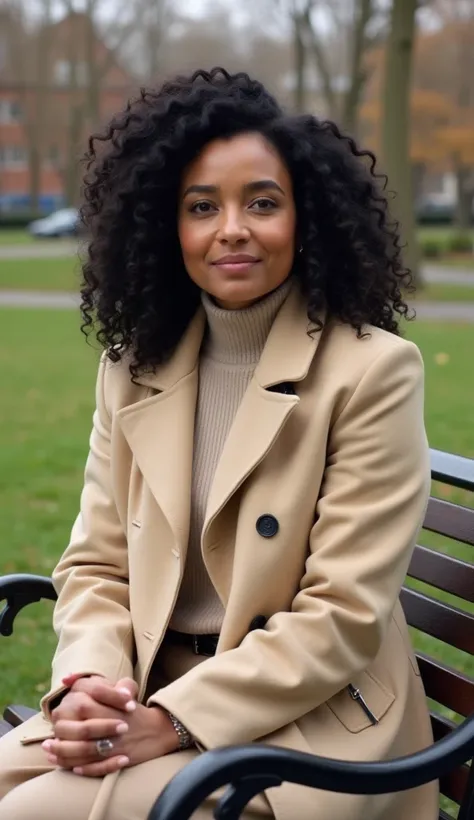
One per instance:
(262, 414)
(160, 430)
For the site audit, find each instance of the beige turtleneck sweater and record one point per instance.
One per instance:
(232, 346)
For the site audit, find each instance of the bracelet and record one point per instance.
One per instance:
(185, 738)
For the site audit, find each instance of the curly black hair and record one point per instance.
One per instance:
(136, 293)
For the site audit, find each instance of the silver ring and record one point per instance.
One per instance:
(104, 747)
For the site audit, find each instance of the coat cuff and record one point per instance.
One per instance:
(55, 696)
(203, 738)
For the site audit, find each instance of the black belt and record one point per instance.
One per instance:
(200, 644)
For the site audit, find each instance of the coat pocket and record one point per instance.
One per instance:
(361, 704)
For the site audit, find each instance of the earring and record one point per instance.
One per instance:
(300, 249)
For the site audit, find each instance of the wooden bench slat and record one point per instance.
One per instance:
(450, 519)
(4, 728)
(449, 468)
(444, 572)
(449, 624)
(452, 785)
(446, 685)
(15, 714)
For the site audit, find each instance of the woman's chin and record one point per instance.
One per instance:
(237, 295)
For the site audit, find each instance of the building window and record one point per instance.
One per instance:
(54, 155)
(66, 72)
(10, 111)
(13, 156)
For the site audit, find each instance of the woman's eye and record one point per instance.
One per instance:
(263, 204)
(201, 207)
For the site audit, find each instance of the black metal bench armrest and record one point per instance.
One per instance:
(249, 770)
(18, 591)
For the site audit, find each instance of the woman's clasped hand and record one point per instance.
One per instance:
(94, 709)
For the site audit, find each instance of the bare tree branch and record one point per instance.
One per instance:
(364, 10)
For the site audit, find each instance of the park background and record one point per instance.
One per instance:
(397, 75)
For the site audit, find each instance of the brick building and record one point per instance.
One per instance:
(57, 86)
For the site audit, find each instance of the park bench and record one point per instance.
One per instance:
(247, 770)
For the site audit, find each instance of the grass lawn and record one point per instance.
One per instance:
(48, 375)
(63, 273)
(441, 233)
(15, 236)
(59, 273)
(439, 292)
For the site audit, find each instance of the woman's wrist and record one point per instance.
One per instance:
(185, 738)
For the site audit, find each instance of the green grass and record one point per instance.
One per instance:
(440, 233)
(434, 292)
(48, 375)
(61, 273)
(15, 236)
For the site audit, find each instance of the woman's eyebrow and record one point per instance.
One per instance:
(256, 185)
(201, 189)
(263, 184)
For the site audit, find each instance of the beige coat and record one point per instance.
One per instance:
(343, 466)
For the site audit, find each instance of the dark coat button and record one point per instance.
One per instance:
(267, 526)
(257, 623)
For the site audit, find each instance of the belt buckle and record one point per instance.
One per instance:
(196, 645)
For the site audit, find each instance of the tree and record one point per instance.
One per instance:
(350, 36)
(446, 64)
(29, 53)
(396, 121)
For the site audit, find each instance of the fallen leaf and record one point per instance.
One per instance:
(441, 358)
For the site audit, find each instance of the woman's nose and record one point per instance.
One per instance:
(233, 227)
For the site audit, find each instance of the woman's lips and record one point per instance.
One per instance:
(236, 267)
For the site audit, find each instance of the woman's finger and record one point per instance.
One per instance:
(91, 729)
(102, 692)
(71, 752)
(100, 769)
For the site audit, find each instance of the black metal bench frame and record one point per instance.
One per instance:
(248, 770)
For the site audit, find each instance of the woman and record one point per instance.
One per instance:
(258, 469)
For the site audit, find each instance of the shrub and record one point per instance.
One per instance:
(460, 243)
(431, 248)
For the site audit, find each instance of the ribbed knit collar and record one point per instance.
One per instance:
(239, 336)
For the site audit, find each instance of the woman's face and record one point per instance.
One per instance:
(237, 220)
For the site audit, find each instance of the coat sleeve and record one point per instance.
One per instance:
(371, 506)
(92, 617)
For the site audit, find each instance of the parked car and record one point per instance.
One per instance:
(64, 222)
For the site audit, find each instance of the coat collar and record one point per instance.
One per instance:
(160, 428)
(287, 355)
(183, 361)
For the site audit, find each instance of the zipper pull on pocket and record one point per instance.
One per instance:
(357, 696)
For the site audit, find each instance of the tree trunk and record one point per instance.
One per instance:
(93, 95)
(463, 213)
(396, 124)
(37, 126)
(34, 172)
(351, 102)
(71, 182)
(76, 115)
(317, 49)
(300, 64)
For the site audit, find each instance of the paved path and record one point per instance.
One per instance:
(447, 276)
(449, 311)
(38, 299)
(40, 250)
